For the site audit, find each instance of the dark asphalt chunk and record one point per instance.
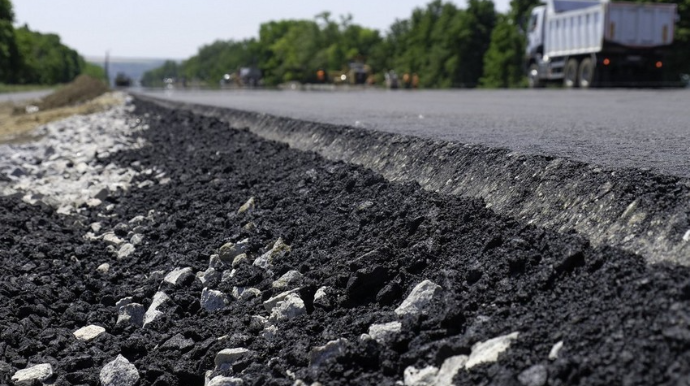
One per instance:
(621, 321)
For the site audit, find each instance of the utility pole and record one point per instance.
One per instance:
(107, 64)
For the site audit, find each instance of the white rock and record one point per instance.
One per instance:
(247, 206)
(225, 358)
(111, 239)
(229, 251)
(137, 219)
(96, 226)
(291, 307)
(176, 276)
(555, 350)
(451, 366)
(136, 239)
(159, 298)
(536, 375)
(89, 332)
(323, 298)
(239, 260)
(213, 300)
(123, 302)
(215, 262)
(244, 293)
(420, 377)
(119, 373)
(418, 299)
(272, 302)
(289, 278)
(225, 381)
(34, 373)
(278, 249)
(488, 351)
(103, 268)
(125, 251)
(384, 333)
(93, 202)
(321, 354)
(209, 274)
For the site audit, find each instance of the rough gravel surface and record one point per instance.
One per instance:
(242, 261)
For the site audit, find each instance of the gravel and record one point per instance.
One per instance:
(483, 291)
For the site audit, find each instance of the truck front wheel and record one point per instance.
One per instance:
(570, 74)
(586, 73)
(533, 76)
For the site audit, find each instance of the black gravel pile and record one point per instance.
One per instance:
(620, 320)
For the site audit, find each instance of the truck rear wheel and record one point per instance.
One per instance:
(586, 73)
(570, 74)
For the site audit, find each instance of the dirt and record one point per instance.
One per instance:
(85, 95)
(621, 320)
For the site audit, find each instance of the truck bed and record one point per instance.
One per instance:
(584, 30)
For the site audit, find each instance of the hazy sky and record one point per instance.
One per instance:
(176, 28)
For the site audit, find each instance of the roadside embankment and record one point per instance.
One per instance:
(638, 211)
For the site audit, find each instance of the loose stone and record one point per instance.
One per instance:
(152, 313)
(229, 251)
(177, 276)
(289, 278)
(103, 268)
(384, 333)
(272, 302)
(420, 377)
(225, 358)
(132, 313)
(417, 301)
(290, 308)
(119, 372)
(89, 332)
(321, 354)
(536, 375)
(555, 350)
(32, 374)
(247, 206)
(488, 351)
(213, 300)
(278, 249)
(125, 251)
(225, 381)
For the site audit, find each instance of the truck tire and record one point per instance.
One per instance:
(570, 74)
(533, 77)
(586, 73)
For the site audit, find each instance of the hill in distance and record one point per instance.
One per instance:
(132, 67)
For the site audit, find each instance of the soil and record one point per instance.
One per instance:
(621, 320)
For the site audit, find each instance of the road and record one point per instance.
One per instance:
(645, 129)
(23, 96)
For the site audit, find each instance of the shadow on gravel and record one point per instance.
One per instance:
(368, 240)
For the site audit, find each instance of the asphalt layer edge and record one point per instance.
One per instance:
(632, 209)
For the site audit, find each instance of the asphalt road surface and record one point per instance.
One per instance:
(648, 129)
(23, 96)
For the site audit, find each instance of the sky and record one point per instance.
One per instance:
(175, 29)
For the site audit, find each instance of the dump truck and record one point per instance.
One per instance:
(591, 43)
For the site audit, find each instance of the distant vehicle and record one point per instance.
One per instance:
(589, 43)
(122, 80)
(243, 77)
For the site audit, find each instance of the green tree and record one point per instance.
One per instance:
(8, 45)
(503, 60)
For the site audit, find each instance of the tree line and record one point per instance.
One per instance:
(29, 57)
(442, 44)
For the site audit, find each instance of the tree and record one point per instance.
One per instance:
(503, 60)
